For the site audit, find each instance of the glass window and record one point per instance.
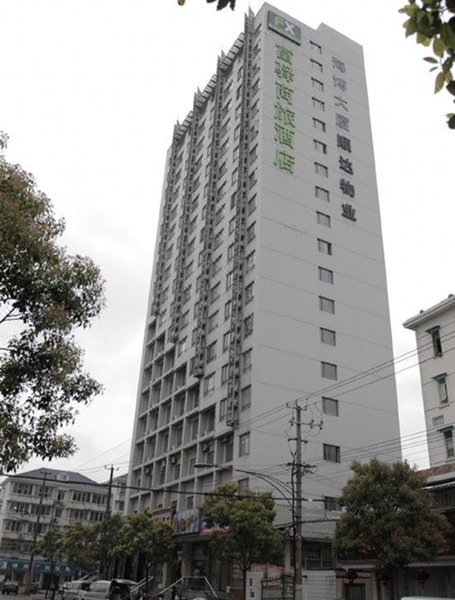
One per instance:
(322, 194)
(325, 247)
(318, 104)
(320, 146)
(249, 293)
(328, 336)
(246, 359)
(224, 373)
(327, 305)
(245, 397)
(244, 444)
(321, 169)
(316, 66)
(325, 275)
(248, 325)
(441, 382)
(209, 383)
(331, 453)
(329, 371)
(330, 407)
(318, 85)
(318, 124)
(448, 441)
(323, 219)
(211, 352)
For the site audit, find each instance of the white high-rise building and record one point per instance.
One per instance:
(269, 284)
(434, 329)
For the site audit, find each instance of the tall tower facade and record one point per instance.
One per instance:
(268, 287)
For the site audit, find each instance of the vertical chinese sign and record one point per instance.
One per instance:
(343, 141)
(284, 116)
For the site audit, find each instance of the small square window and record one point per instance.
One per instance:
(329, 371)
(318, 124)
(320, 146)
(249, 293)
(318, 104)
(250, 233)
(321, 169)
(330, 504)
(331, 453)
(323, 219)
(325, 275)
(229, 279)
(318, 85)
(232, 225)
(330, 407)
(327, 305)
(328, 336)
(316, 48)
(325, 247)
(322, 194)
(316, 66)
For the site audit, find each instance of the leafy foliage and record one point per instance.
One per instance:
(388, 519)
(243, 526)
(433, 24)
(153, 539)
(44, 295)
(79, 546)
(219, 6)
(50, 545)
(106, 541)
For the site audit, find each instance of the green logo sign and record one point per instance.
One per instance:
(284, 27)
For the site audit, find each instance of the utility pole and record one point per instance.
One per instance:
(35, 535)
(298, 507)
(109, 489)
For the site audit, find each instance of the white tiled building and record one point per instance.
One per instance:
(67, 497)
(434, 329)
(269, 282)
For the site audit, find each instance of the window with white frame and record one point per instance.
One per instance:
(448, 442)
(325, 247)
(323, 219)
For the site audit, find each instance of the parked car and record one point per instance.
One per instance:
(10, 587)
(115, 589)
(72, 590)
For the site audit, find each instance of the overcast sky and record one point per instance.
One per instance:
(90, 91)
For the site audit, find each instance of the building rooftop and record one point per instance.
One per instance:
(54, 475)
(429, 313)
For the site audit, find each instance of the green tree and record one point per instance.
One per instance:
(388, 519)
(79, 547)
(50, 547)
(243, 526)
(154, 540)
(44, 295)
(433, 24)
(107, 538)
